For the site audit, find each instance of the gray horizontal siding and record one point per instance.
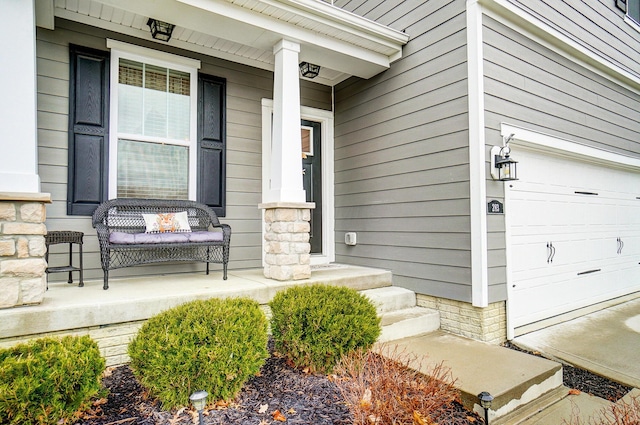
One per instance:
(246, 87)
(597, 25)
(401, 172)
(530, 85)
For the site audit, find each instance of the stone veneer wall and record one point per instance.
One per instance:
(22, 248)
(487, 324)
(287, 248)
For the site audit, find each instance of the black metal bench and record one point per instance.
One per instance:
(124, 240)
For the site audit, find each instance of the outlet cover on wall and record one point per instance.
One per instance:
(350, 238)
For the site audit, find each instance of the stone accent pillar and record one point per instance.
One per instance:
(287, 247)
(22, 248)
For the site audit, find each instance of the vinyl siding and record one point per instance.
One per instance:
(595, 24)
(246, 87)
(402, 173)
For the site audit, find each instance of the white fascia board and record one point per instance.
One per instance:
(528, 137)
(553, 39)
(304, 36)
(477, 174)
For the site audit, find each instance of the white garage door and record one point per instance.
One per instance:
(575, 235)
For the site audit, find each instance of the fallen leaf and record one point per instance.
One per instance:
(419, 419)
(277, 416)
(471, 419)
(374, 419)
(365, 401)
(573, 391)
(263, 422)
(263, 408)
(100, 401)
(292, 411)
(222, 404)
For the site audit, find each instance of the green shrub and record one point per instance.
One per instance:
(314, 326)
(48, 380)
(215, 345)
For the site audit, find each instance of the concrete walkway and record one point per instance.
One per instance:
(606, 342)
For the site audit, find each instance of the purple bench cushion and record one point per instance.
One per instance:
(151, 238)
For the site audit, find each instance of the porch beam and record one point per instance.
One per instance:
(286, 150)
(18, 128)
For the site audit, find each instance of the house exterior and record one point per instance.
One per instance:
(397, 136)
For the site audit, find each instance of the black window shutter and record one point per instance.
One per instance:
(88, 130)
(212, 142)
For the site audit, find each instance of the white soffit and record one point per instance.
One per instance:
(245, 31)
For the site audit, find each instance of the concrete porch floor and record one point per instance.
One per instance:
(68, 307)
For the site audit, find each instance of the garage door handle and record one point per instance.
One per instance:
(620, 245)
(551, 252)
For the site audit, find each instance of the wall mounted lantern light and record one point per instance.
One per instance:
(503, 168)
(485, 401)
(160, 30)
(199, 400)
(309, 70)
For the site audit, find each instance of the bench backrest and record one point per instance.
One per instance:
(125, 214)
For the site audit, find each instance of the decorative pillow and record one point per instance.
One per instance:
(167, 222)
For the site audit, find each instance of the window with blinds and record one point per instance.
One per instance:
(153, 131)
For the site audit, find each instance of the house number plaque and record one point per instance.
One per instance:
(495, 207)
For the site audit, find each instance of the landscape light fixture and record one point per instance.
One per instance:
(309, 70)
(503, 168)
(199, 400)
(160, 30)
(485, 401)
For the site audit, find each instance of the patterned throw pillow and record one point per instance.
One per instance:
(167, 222)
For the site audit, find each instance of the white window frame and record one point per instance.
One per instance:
(120, 50)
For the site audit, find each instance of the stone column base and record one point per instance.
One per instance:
(22, 248)
(287, 248)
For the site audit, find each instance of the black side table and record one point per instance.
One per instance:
(64, 236)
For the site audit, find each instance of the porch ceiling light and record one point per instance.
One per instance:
(160, 30)
(503, 168)
(199, 400)
(309, 70)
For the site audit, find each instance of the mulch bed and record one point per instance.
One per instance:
(299, 397)
(585, 381)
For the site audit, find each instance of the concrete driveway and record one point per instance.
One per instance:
(606, 342)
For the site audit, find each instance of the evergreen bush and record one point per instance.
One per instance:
(47, 380)
(314, 326)
(214, 345)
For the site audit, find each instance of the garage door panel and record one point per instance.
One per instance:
(590, 214)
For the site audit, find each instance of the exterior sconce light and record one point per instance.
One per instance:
(160, 30)
(503, 168)
(485, 401)
(199, 400)
(309, 70)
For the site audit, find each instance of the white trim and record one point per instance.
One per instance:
(165, 60)
(325, 118)
(560, 43)
(542, 141)
(477, 158)
(155, 57)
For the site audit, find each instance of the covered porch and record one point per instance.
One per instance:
(113, 317)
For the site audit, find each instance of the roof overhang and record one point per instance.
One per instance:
(245, 31)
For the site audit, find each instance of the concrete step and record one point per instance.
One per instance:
(391, 298)
(512, 377)
(408, 322)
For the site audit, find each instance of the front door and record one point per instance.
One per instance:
(312, 178)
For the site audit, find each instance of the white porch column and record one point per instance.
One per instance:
(286, 149)
(18, 128)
